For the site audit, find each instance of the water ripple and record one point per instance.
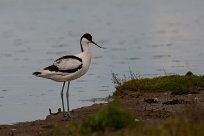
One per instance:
(161, 56)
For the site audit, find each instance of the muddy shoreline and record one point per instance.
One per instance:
(144, 107)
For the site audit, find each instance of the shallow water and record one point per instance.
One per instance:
(149, 37)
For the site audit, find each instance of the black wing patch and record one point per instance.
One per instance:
(59, 67)
(52, 68)
(69, 56)
(56, 69)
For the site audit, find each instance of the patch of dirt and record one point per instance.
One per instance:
(176, 101)
(144, 106)
(184, 92)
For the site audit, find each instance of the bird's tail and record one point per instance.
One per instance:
(37, 73)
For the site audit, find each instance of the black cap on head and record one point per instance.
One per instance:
(87, 36)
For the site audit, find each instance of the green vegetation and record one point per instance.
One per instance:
(161, 84)
(112, 118)
(113, 121)
(173, 127)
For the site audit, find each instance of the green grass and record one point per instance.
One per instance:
(163, 83)
(168, 127)
(172, 127)
(114, 121)
(112, 118)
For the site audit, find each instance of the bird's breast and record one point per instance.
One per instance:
(86, 60)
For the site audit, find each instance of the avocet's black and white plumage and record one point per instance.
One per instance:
(69, 67)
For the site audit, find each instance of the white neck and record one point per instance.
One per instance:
(85, 45)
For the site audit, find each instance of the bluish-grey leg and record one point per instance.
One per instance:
(67, 94)
(63, 98)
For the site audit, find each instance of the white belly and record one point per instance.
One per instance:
(63, 76)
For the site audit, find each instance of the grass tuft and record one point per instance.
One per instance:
(112, 118)
(172, 83)
(113, 121)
